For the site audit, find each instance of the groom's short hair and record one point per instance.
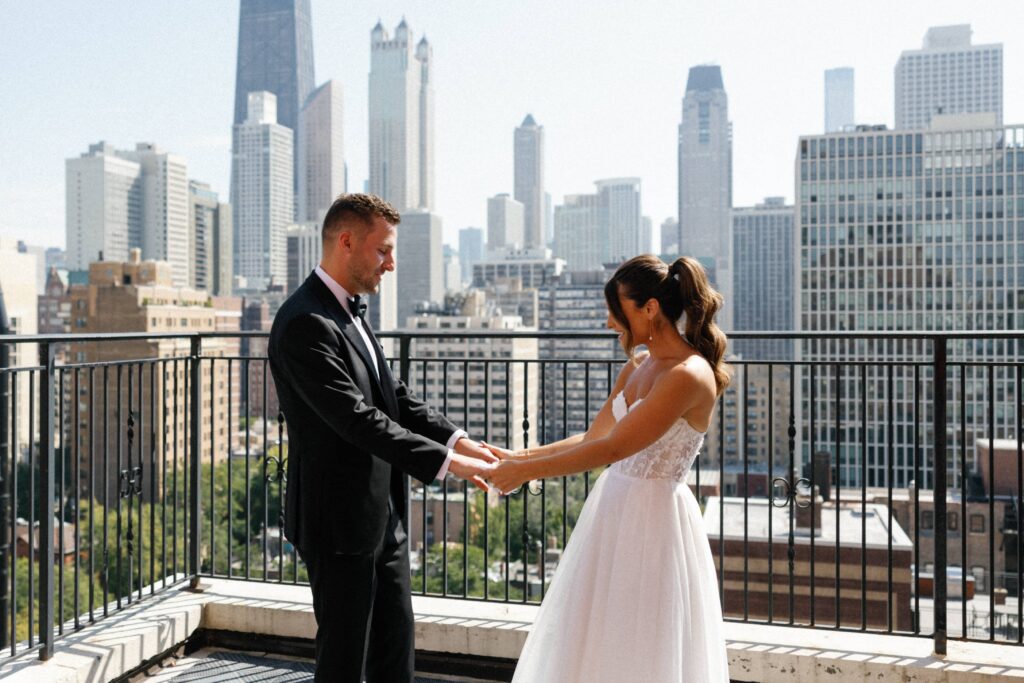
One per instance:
(356, 211)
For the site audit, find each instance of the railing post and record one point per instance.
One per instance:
(6, 496)
(404, 348)
(47, 419)
(404, 372)
(195, 449)
(939, 463)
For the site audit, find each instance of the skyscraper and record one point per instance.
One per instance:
(705, 176)
(592, 230)
(103, 206)
(579, 232)
(620, 210)
(321, 161)
(529, 179)
(210, 240)
(425, 56)
(165, 209)
(505, 222)
(908, 231)
(261, 192)
(471, 250)
(763, 257)
(401, 119)
(123, 199)
(838, 99)
(419, 276)
(669, 236)
(275, 54)
(948, 75)
(305, 248)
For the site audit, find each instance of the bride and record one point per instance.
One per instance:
(635, 596)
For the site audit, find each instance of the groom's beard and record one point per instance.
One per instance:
(368, 284)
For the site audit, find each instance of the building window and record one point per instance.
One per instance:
(927, 520)
(977, 524)
(952, 521)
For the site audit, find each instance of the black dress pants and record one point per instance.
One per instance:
(363, 609)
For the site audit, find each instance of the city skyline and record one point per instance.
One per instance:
(103, 103)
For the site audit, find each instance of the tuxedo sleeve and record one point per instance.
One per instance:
(309, 355)
(421, 418)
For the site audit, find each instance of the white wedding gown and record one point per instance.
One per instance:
(635, 597)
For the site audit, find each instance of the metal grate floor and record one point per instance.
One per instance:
(235, 666)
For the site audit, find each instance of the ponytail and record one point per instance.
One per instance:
(700, 304)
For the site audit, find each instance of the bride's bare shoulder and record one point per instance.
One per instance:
(694, 371)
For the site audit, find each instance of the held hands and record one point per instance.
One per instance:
(472, 462)
(483, 463)
(472, 449)
(471, 469)
(504, 453)
(508, 475)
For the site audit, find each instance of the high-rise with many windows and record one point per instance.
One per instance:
(762, 239)
(705, 176)
(261, 193)
(620, 201)
(275, 54)
(210, 243)
(122, 199)
(907, 231)
(948, 75)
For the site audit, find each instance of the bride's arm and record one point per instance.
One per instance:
(674, 394)
(601, 426)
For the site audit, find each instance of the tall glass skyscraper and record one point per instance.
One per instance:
(838, 99)
(275, 54)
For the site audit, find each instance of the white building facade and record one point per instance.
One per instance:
(321, 159)
(401, 119)
(505, 222)
(263, 199)
(948, 75)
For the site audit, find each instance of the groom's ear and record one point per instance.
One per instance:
(344, 240)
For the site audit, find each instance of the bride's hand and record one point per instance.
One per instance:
(503, 453)
(508, 475)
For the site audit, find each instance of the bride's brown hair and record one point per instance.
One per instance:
(679, 288)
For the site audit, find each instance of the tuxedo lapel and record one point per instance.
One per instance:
(345, 324)
(387, 383)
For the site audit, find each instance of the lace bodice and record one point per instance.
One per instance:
(670, 457)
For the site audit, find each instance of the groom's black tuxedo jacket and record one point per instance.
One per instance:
(351, 438)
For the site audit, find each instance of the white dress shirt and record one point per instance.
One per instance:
(343, 298)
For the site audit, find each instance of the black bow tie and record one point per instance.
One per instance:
(357, 305)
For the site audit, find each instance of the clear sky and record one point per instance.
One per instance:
(604, 77)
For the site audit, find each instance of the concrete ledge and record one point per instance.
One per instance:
(123, 641)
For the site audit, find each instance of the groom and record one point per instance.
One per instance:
(355, 433)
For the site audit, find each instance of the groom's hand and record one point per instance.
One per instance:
(471, 469)
(471, 449)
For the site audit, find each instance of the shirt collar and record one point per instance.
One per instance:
(339, 292)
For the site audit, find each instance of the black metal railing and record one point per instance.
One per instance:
(838, 484)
